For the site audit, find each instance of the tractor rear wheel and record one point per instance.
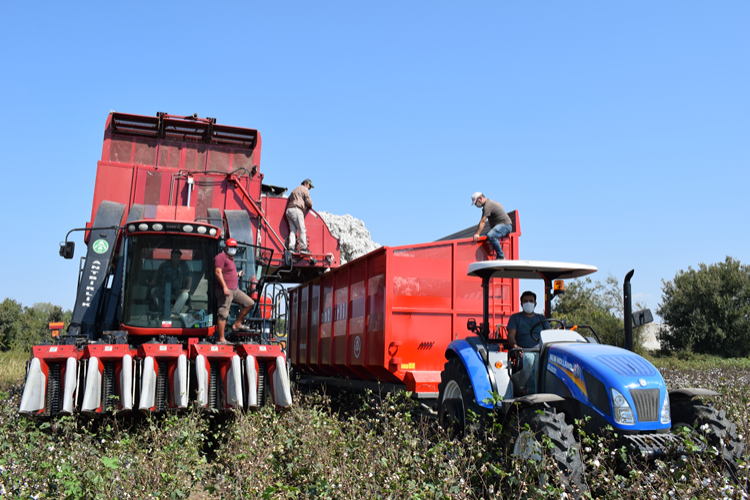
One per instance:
(456, 401)
(721, 433)
(528, 442)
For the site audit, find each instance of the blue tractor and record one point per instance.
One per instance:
(568, 377)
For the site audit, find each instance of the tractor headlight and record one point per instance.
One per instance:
(623, 413)
(666, 411)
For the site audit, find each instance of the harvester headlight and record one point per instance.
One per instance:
(187, 228)
(143, 226)
(666, 412)
(623, 413)
(157, 227)
(212, 231)
(201, 229)
(131, 228)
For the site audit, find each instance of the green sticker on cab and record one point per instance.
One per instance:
(101, 246)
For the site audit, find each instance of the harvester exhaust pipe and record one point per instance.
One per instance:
(628, 311)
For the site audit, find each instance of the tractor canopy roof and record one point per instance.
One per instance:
(529, 269)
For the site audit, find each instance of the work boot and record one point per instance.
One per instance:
(305, 250)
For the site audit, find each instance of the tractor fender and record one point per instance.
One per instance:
(687, 393)
(467, 352)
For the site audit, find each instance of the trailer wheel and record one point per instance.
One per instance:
(456, 400)
(721, 433)
(528, 442)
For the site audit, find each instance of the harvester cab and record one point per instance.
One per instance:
(566, 378)
(141, 333)
(168, 190)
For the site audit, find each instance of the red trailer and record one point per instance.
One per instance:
(389, 315)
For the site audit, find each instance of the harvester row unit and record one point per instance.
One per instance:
(154, 378)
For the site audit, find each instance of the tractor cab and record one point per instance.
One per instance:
(523, 363)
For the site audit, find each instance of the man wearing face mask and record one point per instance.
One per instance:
(500, 223)
(227, 292)
(519, 335)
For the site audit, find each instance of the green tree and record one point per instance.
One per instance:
(708, 310)
(598, 305)
(11, 322)
(22, 327)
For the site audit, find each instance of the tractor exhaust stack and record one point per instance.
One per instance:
(628, 311)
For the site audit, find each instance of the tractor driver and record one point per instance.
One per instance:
(519, 335)
(176, 272)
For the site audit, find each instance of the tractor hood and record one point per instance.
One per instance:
(591, 371)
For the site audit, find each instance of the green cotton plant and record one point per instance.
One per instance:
(347, 445)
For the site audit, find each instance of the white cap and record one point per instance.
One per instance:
(474, 197)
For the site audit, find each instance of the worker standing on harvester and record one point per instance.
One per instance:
(298, 203)
(227, 291)
(500, 223)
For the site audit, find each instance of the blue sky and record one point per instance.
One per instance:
(619, 130)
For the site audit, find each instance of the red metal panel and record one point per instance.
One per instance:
(422, 276)
(325, 343)
(195, 157)
(170, 154)
(120, 150)
(313, 337)
(145, 152)
(184, 213)
(341, 312)
(205, 196)
(375, 346)
(113, 183)
(423, 339)
(355, 353)
(219, 159)
(304, 319)
(294, 319)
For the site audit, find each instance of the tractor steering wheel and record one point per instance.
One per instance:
(550, 320)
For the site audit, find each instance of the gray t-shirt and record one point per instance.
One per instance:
(495, 213)
(522, 325)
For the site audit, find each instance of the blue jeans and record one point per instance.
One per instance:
(494, 236)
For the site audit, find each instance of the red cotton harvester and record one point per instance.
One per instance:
(169, 191)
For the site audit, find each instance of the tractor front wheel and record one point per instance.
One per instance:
(458, 409)
(542, 434)
(720, 432)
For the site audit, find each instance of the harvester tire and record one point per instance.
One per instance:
(720, 433)
(527, 441)
(457, 402)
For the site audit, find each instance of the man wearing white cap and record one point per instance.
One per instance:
(500, 223)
